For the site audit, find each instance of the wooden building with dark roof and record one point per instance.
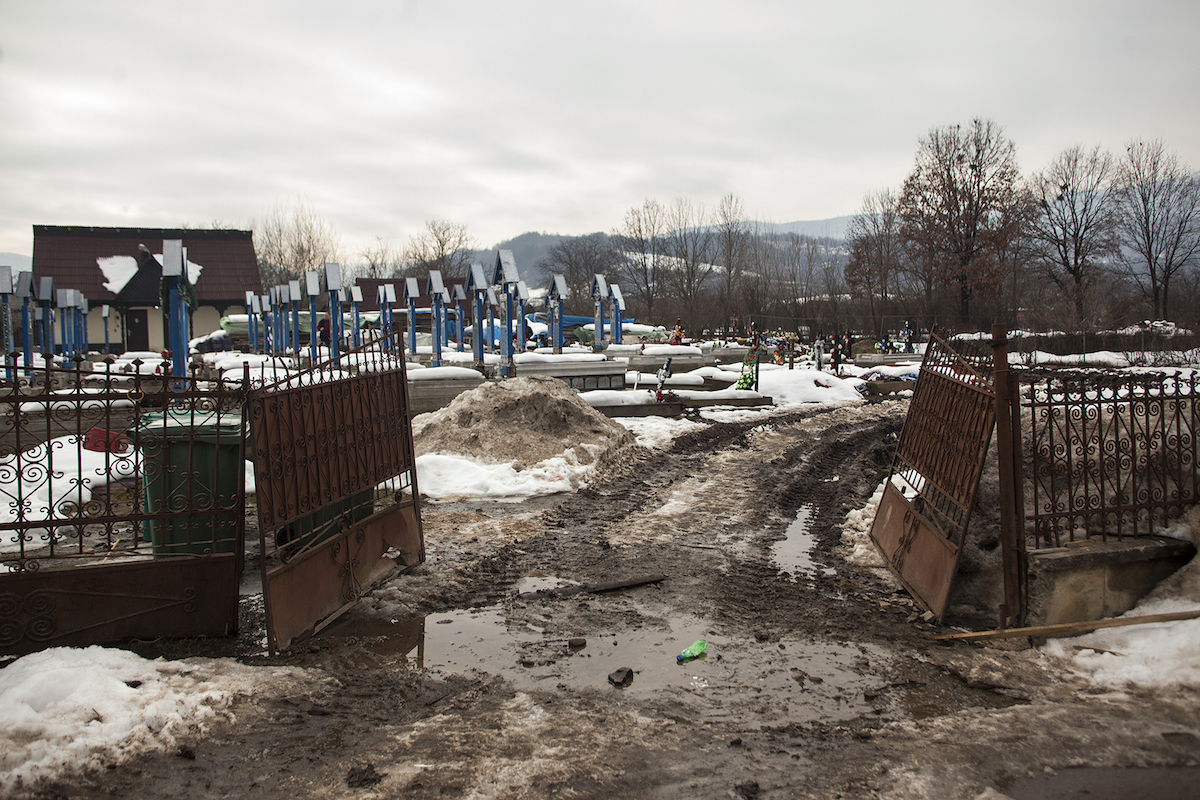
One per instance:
(118, 267)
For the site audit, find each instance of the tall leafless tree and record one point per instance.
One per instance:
(290, 241)
(760, 277)
(442, 245)
(578, 259)
(1158, 219)
(875, 250)
(689, 243)
(732, 245)
(1073, 229)
(955, 205)
(640, 242)
(379, 260)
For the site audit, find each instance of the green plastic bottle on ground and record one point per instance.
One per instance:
(692, 651)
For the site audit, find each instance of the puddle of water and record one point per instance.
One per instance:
(1107, 783)
(748, 682)
(793, 553)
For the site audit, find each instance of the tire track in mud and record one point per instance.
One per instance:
(785, 462)
(831, 472)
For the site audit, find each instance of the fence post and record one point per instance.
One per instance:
(1012, 511)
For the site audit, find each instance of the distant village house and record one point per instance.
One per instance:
(122, 268)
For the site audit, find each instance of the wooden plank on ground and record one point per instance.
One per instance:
(1068, 628)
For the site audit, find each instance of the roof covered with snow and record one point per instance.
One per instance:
(104, 263)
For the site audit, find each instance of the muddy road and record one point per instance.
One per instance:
(485, 672)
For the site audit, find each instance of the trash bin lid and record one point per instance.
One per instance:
(206, 426)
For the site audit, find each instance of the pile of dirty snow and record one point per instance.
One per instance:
(70, 709)
(516, 438)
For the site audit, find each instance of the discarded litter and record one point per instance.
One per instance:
(693, 651)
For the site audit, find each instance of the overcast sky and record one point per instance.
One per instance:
(548, 116)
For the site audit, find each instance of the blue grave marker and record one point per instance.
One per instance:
(460, 302)
(618, 307)
(356, 298)
(412, 290)
(437, 311)
(45, 298)
(333, 285)
(23, 289)
(599, 300)
(505, 276)
(556, 292)
(477, 285)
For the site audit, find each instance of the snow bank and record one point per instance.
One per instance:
(658, 433)
(450, 477)
(517, 438)
(440, 373)
(539, 357)
(68, 709)
(615, 397)
(1100, 358)
(650, 379)
(1155, 654)
(793, 386)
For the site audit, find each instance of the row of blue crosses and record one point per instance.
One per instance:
(499, 297)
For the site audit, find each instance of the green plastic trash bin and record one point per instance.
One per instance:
(316, 527)
(192, 470)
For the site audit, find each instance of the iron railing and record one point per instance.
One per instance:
(97, 465)
(1113, 454)
(338, 505)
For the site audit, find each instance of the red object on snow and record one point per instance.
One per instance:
(99, 440)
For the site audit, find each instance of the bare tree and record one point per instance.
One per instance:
(1072, 231)
(955, 205)
(732, 244)
(579, 258)
(640, 242)
(1158, 219)
(875, 250)
(760, 276)
(291, 241)
(442, 245)
(379, 260)
(689, 243)
(797, 277)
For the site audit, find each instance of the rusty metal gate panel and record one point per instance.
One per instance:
(122, 506)
(922, 519)
(335, 476)
(178, 597)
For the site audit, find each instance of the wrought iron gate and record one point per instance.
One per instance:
(922, 518)
(335, 475)
(121, 506)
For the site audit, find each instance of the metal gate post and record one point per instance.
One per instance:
(1012, 505)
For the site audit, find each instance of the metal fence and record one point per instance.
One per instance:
(97, 466)
(121, 505)
(1113, 454)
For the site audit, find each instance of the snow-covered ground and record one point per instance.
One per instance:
(68, 709)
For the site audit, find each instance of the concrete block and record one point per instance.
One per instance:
(1095, 579)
